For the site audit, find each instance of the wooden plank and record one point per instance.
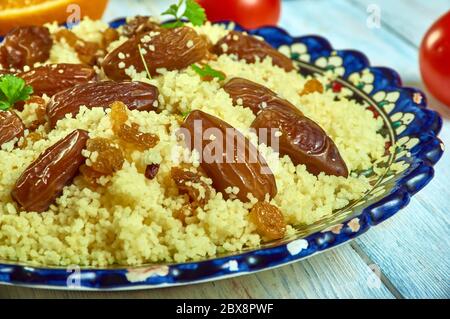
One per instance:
(339, 273)
(412, 248)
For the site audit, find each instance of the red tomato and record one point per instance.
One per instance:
(435, 59)
(248, 13)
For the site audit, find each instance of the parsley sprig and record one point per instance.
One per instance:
(193, 12)
(208, 73)
(13, 89)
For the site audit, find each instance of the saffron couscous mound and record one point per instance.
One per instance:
(127, 217)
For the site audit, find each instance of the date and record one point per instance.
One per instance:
(52, 78)
(11, 126)
(25, 46)
(255, 96)
(135, 95)
(43, 181)
(171, 49)
(304, 141)
(228, 158)
(250, 49)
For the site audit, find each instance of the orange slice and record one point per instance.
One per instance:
(15, 13)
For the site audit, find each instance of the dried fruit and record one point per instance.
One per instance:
(129, 135)
(132, 138)
(11, 126)
(87, 51)
(249, 48)
(255, 96)
(311, 86)
(42, 182)
(25, 46)
(138, 25)
(31, 137)
(269, 220)
(109, 158)
(304, 141)
(109, 35)
(151, 170)
(172, 49)
(227, 157)
(136, 95)
(190, 183)
(52, 78)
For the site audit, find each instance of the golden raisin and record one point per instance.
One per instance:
(109, 159)
(70, 37)
(90, 175)
(87, 52)
(269, 220)
(118, 115)
(135, 139)
(311, 86)
(184, 212)
(190, 183)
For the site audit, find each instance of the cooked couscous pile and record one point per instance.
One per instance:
(132, 220)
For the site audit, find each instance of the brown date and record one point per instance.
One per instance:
(255, 96)
(135, 95)
(11, 126)
(304, 141)
(25, 46)
(138, 25)
(172, 49)
(228, 158)
(52, 78)
(42, 182)
(248, 48)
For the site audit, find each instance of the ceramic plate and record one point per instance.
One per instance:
(407, 123)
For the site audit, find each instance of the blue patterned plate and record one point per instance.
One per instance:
(408, 124)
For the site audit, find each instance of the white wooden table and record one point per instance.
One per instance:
(409, 252)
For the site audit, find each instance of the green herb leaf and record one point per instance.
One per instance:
(186, 113)
(13, 89)
(208, 72)
(194, 13)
